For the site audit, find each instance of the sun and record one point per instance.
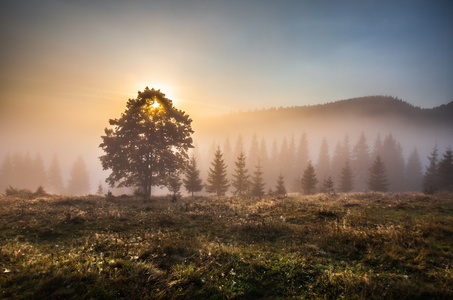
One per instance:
(169, 90)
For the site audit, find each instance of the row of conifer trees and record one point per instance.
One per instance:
(19, 171)
(383, 169)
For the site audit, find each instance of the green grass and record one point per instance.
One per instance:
(351, 246)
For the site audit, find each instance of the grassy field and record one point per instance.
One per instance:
(351, 246)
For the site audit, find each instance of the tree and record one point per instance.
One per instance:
(445, 170)
(38, 172)
(341, 154)
(7, 173)
(257, 189)
(413, 176)
(391, 154)
(378, 177)
(328, 186)
(193, 182)
(280, 189)
(79, 183)
(100, 190)
(309, 180)
(240, 177)
(174, 184)
(147, 143)
(323, 165)
(431, 179)
(346, 179)
(217, 181)
(55, 180)
(360, 163)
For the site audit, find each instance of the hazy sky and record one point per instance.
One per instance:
(73, 64)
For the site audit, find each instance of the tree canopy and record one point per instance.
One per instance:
(148, 143)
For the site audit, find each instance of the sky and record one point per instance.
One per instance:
(69, 66)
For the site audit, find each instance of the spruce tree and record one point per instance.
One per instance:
(192, 181)
(280, 189)
(217, 181)
(240, 177)
(378, 177)
(79, 183)
(323, 165)
(309, 180)
(328, 186)
(445, 171)
(257, 189)
(55, 179)
(346, 179)
(431, 179)
(174, 184)
(360, 162)
(413, 176)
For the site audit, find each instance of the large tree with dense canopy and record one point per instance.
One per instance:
(148, 143)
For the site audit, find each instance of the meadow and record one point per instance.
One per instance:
(351, 246)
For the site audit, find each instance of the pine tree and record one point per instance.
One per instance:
(431, 178)
(192, 181)
(413, 176)
(309, 180)
(378, 177)
(346, 179)
(38, 172)
(328, 186)
(280, 189)
(240, 177)
(257, 189)
(55, 179)
(323, 165)
(254, 151)
(79, 183)
(100, 190)
(302, 155)
(217, 181)
(7, 173)
(174, 184)
(360, 162)
(392, 155)
(445, 171)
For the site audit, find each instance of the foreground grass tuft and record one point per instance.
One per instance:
(352, 246)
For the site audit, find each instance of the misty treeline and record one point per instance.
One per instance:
(21, 172)
(353, 166)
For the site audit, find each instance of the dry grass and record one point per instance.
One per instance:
(352, 246)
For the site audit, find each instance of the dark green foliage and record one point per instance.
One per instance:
(40, 191)
(309, 180)
(217, 181)
(257, 185)
(431, 177)
(280, 189)
(240, 181)
(174, 184)
(346, 179)
(378, 177)
(149, 141)
(445, 171)
(192, 181)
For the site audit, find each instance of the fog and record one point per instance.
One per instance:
(79, 135)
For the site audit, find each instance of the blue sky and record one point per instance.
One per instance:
(88, 57)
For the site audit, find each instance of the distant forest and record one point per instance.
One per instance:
(414, 151)
(19, 172)
(291, 157)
